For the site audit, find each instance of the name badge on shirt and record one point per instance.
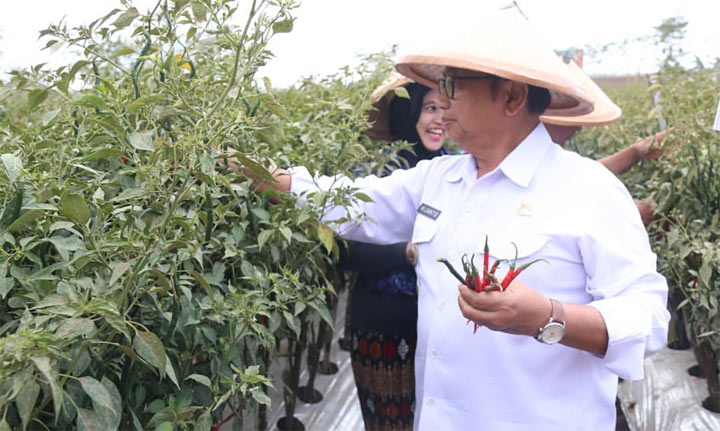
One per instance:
(429, 211)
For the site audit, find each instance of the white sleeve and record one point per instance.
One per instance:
(628, 291)
(395, 200)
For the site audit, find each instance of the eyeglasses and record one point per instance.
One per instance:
(446, 84)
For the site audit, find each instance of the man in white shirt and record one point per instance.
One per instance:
(550, 348)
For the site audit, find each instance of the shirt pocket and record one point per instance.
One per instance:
(424, 229)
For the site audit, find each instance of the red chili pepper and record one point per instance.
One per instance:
(514, 273)
(508, 276)
(495, 266)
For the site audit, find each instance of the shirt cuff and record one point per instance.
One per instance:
(635, 330)
(302, 182)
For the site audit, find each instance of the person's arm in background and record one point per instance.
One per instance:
(374, 258)
(647, 148)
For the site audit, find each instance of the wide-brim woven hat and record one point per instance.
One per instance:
(605, 111)
(381, 98)
(504, 44)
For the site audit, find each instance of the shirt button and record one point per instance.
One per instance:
(431, 401)
(441, 303)
(434, 354)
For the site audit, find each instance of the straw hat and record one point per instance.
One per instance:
(605, 111)
(498, 43)
(381, 98)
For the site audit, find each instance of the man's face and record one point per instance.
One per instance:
(473, 112)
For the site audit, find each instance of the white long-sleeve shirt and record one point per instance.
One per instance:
(553, 204)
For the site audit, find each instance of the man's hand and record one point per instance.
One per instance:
(517, 310)
(262, 178)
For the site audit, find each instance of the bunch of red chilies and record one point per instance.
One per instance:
(488, 282)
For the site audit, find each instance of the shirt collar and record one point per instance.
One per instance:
(519, 166)
(467, 170)
(522, 163)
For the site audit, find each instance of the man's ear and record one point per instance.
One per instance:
(516, 97)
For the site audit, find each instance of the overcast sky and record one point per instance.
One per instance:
(329, 34)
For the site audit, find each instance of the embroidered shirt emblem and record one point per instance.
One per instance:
(525, 209)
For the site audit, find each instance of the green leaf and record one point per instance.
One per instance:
(402, 92)
(138, 104)
(293, 322)
(36, 97)
(284, 26)
(64, 245)
(287, 233)
(299, 307)
(171, 371)
(199, 10)
(25, 401)
(118, 270)
(4, 426)
(190, 33)
(323, 312)
(142, 140)
(201, 280)
(103, 154)
(49, 372)
(260, 396)
(126, 18)
(264, 236)
(261, 214)
(116, 401)
(90, 101)
(105, 405)
(24, 220)
(258, 171)
(165, 426)
(204, 421)
(73, 207)
(363, 197)
(706, 272)
(203, 380)
(52, 301)
(6, 285)
(75, 327)
(123, 51)
(326, 236)
(13, 166)
(151, 349)
(76, 68)
(129, 194)
(88, 420)
(50, 115)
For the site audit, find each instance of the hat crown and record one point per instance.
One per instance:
(499, 43)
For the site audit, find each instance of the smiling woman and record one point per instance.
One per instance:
(383, 301)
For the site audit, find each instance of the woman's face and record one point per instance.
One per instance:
(429, 125)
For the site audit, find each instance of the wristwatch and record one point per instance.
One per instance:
(554, 329)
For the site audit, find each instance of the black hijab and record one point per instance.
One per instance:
(404, 115)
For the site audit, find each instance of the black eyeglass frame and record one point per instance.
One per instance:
(446, 84)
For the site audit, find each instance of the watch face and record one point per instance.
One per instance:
(552, 333)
